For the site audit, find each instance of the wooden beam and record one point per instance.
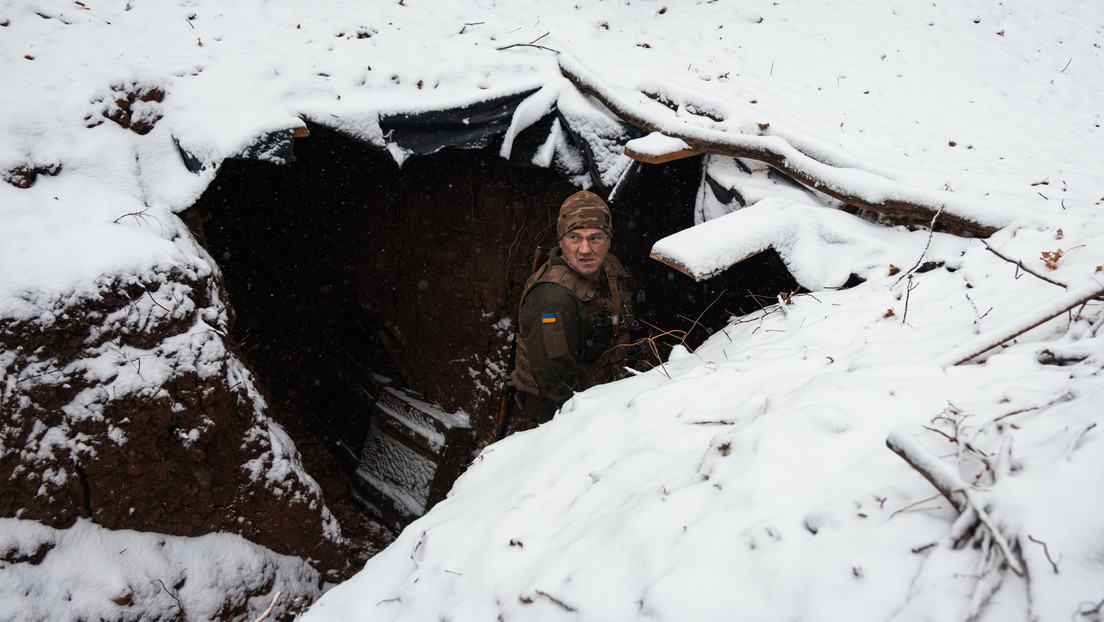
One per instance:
(661, 158)
(681, 267)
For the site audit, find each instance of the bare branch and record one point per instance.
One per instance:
(912, 506)
(155, 301)
(555, 600)
(908, 294)
(179, 605)
(696, 323)
(920, 260)
(947, 481)
(531, 44)
(1023, 267)
(1046, 551)
(1018, 326)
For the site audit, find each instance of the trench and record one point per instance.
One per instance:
(346, 270)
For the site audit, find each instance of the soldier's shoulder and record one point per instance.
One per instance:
(549, 293)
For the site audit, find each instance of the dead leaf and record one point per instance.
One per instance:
(1050, 258)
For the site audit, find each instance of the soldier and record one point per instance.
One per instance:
(576, 314)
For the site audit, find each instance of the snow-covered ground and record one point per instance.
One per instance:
(750, 478)
(87, 572)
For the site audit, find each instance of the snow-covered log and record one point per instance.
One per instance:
(1013, 328)
(854, 187)
(951, 485)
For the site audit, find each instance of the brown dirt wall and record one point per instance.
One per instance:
(129, 409)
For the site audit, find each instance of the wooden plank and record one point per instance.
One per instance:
(677, 265)
(661, 158)
(410, 456)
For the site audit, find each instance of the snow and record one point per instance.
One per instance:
(88, 572)
(657, 144)
(752, 476)
(821, 247)
(746, 479)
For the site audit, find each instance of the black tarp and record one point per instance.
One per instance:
(472, 127)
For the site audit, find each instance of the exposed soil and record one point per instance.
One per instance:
(183, 456)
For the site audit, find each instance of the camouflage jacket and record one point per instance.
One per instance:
(572, 331)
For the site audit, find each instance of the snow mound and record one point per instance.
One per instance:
(752, 478)
(143, 576)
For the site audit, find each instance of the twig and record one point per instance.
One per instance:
(651, 341)
(178, 603)
(913, 505)
(1075, 441)
(1023, 267)
(978, 316)
(782, 305)
(271, 607)
(417, 545)
(555, 600)
(957, 439)
(953, 439)
(1094, 608)
(695, 323)
(531, 44)
(155, 301)
(931, 233)
(1046, 551)
(759, 300)
(908, 294)
(140, 216)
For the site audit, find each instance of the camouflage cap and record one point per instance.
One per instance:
(583, 210)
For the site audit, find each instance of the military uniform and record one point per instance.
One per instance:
(573, 334)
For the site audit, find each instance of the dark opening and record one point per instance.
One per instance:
(343, 267)
(661, 202)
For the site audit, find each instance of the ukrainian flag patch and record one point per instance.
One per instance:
(548, 318)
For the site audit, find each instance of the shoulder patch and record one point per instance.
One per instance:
(555, 339)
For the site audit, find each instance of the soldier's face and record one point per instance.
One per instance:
(585, 250)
